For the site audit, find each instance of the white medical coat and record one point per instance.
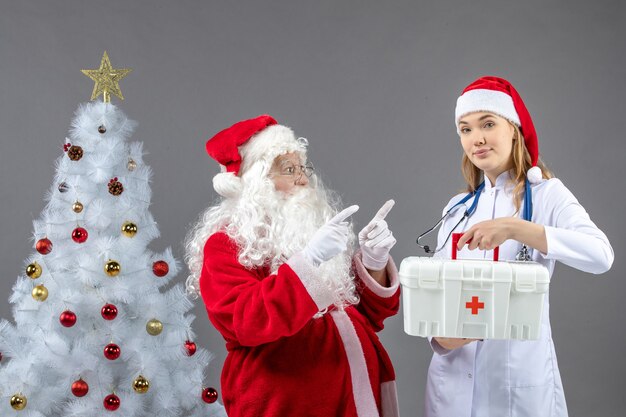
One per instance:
(513, 378)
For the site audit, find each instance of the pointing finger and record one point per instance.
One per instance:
(384, 210)
(344, 214)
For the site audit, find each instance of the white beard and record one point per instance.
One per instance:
(269, 227)
(289, 223)
(292, 221)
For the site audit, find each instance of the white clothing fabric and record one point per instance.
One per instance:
(512, 378)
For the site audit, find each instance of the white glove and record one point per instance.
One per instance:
(376, 240)
(331, 239)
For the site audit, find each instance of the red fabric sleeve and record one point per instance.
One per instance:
(377, 302)
(246, 306)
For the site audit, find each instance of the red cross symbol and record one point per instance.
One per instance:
(475, 305)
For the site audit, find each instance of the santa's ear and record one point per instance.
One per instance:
(227, 184)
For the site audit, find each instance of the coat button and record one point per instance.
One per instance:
(469, 375)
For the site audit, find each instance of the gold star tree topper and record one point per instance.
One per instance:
(106, 79)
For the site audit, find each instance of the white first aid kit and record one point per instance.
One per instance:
(470, 298)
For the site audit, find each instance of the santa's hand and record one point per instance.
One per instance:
(376, 240)
(331, 239)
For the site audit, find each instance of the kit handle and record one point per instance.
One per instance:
(455, 241)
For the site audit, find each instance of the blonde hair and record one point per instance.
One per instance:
(521, 164)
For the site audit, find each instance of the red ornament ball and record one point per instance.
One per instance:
(209, 395)
(79, 235)
(44, 246)
(67, 318)
(112, 351)
(109, 312)
(80, 388)
(111, 402)
(160, 268)
(190, 347)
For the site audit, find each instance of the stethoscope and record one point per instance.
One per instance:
(522, 255)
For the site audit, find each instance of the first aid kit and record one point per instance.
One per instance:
(472, 298)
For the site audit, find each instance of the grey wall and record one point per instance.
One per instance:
(373, 86)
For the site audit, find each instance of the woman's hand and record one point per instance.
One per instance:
(451, 343)
(491, 233)
(488, 234)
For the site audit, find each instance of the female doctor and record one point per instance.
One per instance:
(514, 203)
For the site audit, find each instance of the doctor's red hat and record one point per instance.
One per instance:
(497, 95)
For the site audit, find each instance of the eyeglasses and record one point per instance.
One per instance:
(296, 171)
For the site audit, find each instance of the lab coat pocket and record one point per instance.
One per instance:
(532, 401)
(530, 363)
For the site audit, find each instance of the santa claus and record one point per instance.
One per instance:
(297, 306)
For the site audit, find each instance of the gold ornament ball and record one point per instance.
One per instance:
(131, 164)
(129, 229)
(40, 293)
(77, 207)
(18, 402)
(141, 385)
(112, 268)
(33, 270)
(154, 327)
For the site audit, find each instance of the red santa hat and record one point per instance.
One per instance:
(245, 143)
(498, 96)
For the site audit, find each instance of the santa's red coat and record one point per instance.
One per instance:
(283, 362)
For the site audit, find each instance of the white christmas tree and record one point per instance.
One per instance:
(100, 329)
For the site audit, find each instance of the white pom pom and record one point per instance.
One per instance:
(227, 184)
(534, 175)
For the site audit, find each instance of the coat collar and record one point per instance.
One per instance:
(504, 181)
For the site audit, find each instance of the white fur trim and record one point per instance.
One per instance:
(534, 175)
(308, 274)
(371, 283)
(361, 386)
(389, 399)
(271, 142)
(227, 184)
(490, 101)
